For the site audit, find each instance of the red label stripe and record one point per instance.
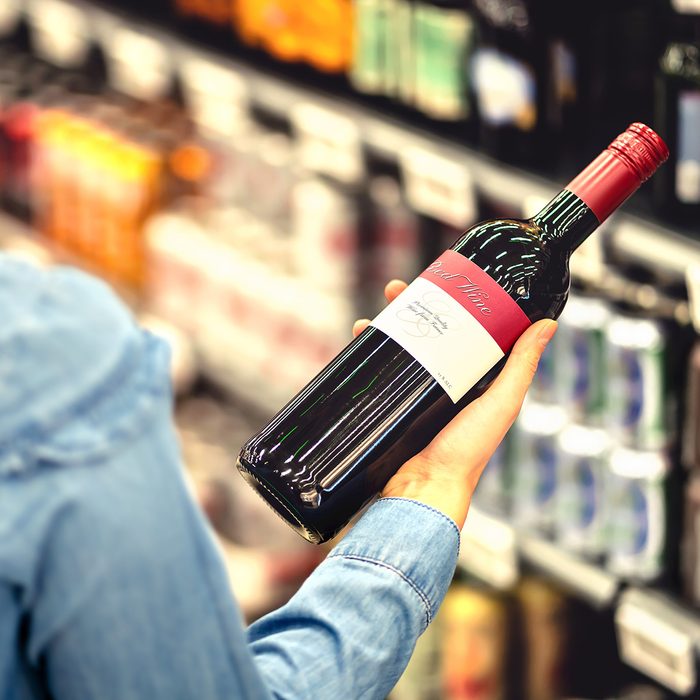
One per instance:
(480, 295)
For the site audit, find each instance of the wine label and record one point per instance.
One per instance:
(456, 321)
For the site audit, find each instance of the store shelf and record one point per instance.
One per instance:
(346, 128)
(659, 637)
(495, 551)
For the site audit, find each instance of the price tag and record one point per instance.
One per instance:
(488, 549)
(10, 13)
(593, 583)
(657, 639)
(692, 281)
(60, 32)
(328, 142)
(439, 187)
(217, 95)
(139, 65)
(686, 7)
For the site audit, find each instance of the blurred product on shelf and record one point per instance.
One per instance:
(581, 382)
(318, 33)
(481, 649)
(582, 515)
(536, 459)
(638, 492)
(677, 192)
(239, 248)
(395, 248)
(690, 543)
(546, 634)
(510, 78)
(639, 407)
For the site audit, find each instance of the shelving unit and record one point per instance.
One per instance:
(442, 179)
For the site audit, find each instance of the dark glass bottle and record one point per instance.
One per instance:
(509, 77)
(433, 350)
(677, 192)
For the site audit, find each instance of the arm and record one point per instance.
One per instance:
(351, 629)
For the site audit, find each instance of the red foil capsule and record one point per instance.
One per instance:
(631, 159)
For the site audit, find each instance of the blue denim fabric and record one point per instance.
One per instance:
(111, 584)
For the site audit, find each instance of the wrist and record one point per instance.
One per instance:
(449, 496)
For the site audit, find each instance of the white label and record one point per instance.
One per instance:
(445, 338)
(217, 95)
(690, 7)
(139, 65)
(505, 89)
(488, 549)
(61, 32)
(329, 142)
(10, 11)
(439, 187)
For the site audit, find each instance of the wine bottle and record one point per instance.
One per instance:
(433, 350)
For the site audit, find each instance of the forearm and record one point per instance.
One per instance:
(352, 627)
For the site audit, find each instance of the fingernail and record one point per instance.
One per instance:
(546, 333)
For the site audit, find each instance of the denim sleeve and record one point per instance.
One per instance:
(111, 584)
(350, 630)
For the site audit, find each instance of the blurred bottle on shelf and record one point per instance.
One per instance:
(318, 33)
(545, 619)
(394, 249)
(509, 76)
(677, 192)
(444, 39)
(481, 645)
(690, 543)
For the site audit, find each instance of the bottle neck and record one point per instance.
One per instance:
(566, 221)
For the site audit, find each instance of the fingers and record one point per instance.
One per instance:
(393, 289)
(508, 390)
(473, 435)
(359, 326)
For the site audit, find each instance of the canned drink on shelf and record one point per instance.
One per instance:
(536, 460)
(637, 531)
(492, 492)
(580, 503)
(637, 410)
(580, 381)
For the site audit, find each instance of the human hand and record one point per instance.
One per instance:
(445, 473)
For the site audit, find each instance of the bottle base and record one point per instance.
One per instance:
(279, 504)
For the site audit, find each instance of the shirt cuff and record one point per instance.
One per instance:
(418, 542)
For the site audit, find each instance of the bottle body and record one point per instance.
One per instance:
(427, 355)
(336, 444)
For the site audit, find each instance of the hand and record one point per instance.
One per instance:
(445, 473)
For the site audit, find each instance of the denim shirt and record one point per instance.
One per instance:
(111, 583)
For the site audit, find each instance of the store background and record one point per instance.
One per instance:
(249, 173)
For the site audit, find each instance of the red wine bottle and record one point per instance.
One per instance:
(432, 350)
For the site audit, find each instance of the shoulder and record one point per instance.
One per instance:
(66, 343)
